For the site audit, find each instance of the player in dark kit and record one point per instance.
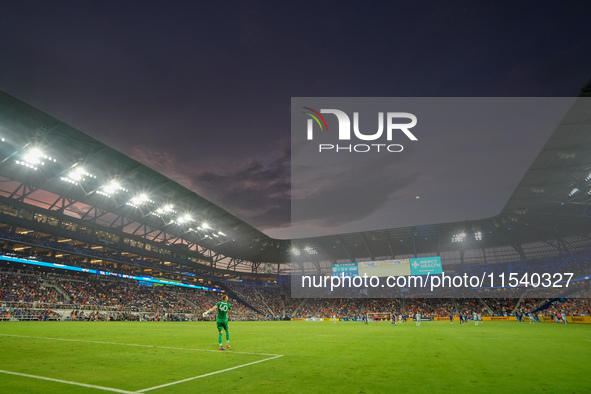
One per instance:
(222, 319)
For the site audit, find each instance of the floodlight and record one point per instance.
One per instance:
(165, 209)
(76, 175)
(33, 156)
(184, 219)
(205, 225)
(572, 192)
(458, 237)
(295, 251)
(111, 188)
(478, 236)
(139, 200)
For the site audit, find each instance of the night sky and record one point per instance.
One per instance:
(201, 91)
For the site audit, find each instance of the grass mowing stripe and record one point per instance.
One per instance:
(66, 382)
(136, 345)
(207, 374)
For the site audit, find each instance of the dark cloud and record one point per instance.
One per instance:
(332, 197)
(258, 191)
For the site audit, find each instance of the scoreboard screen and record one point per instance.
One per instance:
(383, 268)
(347, 269)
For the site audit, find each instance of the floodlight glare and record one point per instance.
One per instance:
(77, 174)
(111, 188)
(458, 237)
(295, 251)
(165, 209)
(478, 236)
(33, 156)
(139, 200)
(184, 219)
(205, 225)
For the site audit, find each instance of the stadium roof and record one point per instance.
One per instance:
(57, 167)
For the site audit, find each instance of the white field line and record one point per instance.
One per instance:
(272, 357)
(208, 374)
(92, 386)
(136, 345)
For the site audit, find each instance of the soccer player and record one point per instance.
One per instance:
(334, 319)
(364, 319)
(418, 317)
(222, 319)
(475, 318)
(376, 318)
(392, 319)
(451, 318)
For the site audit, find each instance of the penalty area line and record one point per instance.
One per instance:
(208, 374)
(92, 386)
(133, 344)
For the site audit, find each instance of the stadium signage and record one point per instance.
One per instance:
(344, 131)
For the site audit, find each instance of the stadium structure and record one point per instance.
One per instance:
(68, 200)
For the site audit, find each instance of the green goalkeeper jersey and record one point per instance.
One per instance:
(223, 308)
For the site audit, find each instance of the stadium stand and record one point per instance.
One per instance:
(81, 220)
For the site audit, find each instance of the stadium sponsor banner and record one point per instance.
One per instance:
(426, 265)
(569, 319)
(547, 319)
(498, 318)
(438, 318)
(297, 319)
(329, 319)
(314, 319)
(579, 319)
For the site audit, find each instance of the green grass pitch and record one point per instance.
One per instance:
(181, 357)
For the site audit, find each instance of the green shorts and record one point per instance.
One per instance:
(222, 325)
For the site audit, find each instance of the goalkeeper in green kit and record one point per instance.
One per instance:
(222, 319)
